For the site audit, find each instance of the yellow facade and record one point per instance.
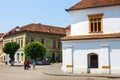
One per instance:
(20, 39)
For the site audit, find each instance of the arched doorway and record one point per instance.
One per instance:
(18, 57)
(92, 60)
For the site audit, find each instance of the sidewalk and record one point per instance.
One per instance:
(55, 70)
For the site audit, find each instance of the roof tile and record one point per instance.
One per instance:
(1, 34)
(93, 3)
(38, 28)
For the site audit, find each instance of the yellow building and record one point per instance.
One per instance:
(47, 35)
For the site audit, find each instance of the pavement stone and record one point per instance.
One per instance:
(47, 72)
(55, 70)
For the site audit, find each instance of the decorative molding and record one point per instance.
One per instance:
(95, 15)
(105, 45)
(68, 46)
(105, 67)
(69, 66)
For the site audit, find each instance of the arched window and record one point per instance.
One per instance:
(92, 60)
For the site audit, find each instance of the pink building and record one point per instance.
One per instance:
(1, 41)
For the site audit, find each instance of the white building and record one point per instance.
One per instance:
(93, 45)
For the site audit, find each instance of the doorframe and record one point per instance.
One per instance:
(89, 62)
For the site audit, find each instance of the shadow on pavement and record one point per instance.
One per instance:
(18, 66)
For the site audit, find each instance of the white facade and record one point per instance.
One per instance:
(79, 56)
(76, 53)
(111, 19)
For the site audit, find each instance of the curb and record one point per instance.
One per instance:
(84, 75)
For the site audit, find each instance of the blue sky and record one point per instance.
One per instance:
(22, 12)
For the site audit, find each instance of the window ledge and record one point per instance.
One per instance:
(95, 32)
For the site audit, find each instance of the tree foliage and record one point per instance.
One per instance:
(35, 50)
(10, 48)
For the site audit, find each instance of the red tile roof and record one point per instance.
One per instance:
(88, 37)
(1, 34)
(93, 3)
(38, 28)
(68, 27)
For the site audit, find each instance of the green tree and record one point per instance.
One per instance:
(10, 48)
(35, 50)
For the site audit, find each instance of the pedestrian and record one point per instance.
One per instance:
(6, 62)
(12, 63)
(28, 65)
(25, 64)
(33, 64)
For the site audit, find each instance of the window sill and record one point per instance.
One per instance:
(95, 32)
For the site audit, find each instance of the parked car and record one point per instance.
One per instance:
(38, 62)
(42, 62)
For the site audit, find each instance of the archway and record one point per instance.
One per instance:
(92, 60)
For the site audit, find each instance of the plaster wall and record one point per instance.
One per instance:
(108, 52)
(111, 19)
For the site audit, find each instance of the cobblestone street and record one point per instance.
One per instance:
(46, 72)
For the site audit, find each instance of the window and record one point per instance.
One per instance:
(42, 41)
(32, 39)
(20, 42)
(59, 44)
(95, 23)
(54, 44)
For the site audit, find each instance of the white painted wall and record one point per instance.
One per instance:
(108, 52)
(111, 20)
(67, 52)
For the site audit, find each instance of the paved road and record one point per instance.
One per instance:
(45, 72)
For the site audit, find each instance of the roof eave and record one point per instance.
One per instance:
(47, 33)
(13, 33)
(88, 38)
(90, 7)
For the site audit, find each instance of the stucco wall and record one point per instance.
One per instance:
(27, 36)
(111, 19)
(108, 52)
(20, 50)
(48, 39)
